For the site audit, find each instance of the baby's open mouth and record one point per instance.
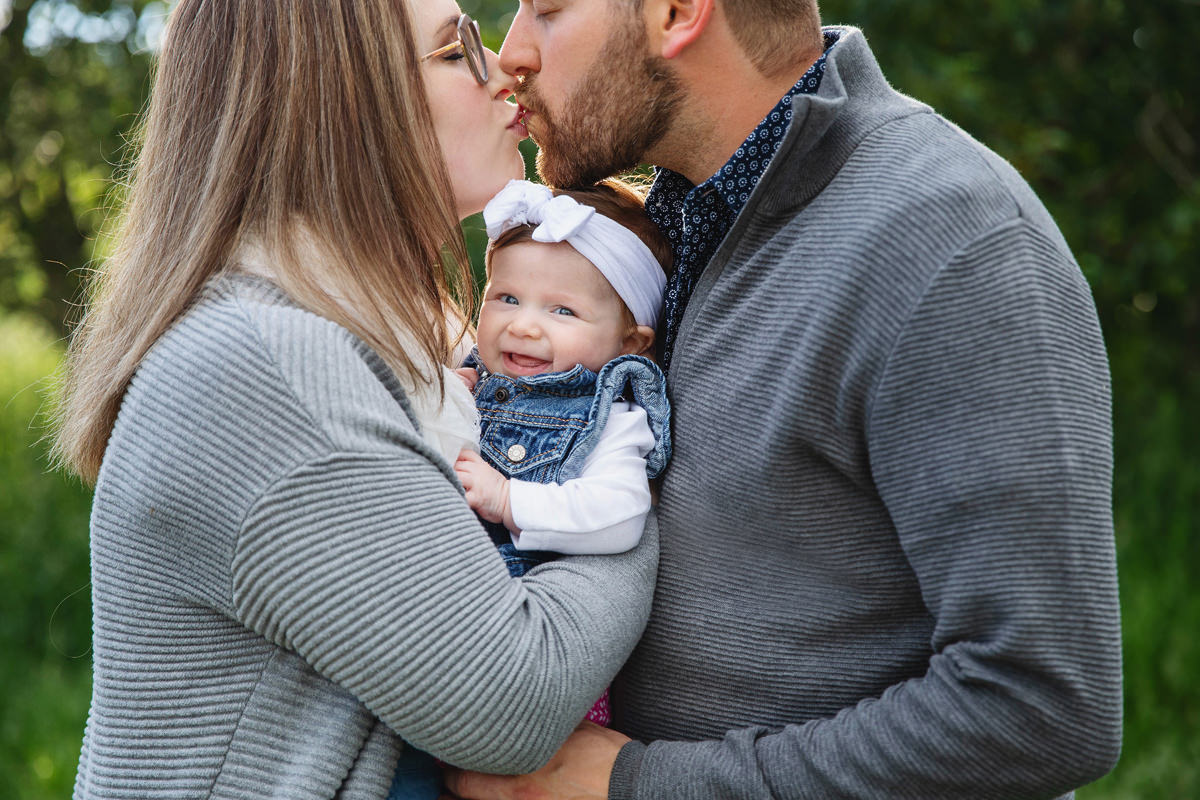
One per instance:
(525, 365)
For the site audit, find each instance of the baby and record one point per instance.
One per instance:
(574, 419)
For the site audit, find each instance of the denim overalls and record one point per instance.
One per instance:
(542, 428)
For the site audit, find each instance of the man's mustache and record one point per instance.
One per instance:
(528, 95)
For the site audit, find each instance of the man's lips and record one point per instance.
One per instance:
(530, 105)
(525, 365)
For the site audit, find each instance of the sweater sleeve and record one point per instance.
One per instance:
(990, 445)
(605, 508)
(368, 563)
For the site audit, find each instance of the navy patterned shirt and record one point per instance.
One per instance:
(696, 218)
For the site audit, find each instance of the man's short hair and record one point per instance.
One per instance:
(775, 34)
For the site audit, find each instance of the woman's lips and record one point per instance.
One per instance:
(525, 365)
(517, 126)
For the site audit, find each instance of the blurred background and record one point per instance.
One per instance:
(1094, 101)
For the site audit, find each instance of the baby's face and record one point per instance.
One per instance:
(546, 309)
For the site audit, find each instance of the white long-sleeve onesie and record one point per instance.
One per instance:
(604, 509)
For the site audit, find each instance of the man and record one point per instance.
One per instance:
(887, 561)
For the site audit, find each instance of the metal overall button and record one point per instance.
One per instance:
(502, 395)
(516, 453)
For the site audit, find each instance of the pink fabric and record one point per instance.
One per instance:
(601, 713)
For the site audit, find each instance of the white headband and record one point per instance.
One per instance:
(622, 258)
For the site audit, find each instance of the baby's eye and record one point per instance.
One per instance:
(508, 298)
(566, 312)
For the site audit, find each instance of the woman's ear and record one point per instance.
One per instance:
(639, 341)
(672, 25)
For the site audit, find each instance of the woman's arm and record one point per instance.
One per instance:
(361, 556)
(373, 569)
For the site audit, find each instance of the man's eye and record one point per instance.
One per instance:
(566, 312)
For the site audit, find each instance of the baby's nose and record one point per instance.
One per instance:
(526, 325)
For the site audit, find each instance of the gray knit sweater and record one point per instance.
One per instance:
(283, 574)
(887, 563)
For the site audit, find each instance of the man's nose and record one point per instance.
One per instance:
(519, 54)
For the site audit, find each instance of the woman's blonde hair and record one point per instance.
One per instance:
(269, 117)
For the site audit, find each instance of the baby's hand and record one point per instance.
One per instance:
(469, 376)
(487, 488)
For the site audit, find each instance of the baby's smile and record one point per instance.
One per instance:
(518, 364)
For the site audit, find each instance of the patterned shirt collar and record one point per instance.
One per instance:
(696, 218)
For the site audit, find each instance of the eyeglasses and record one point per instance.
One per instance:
(471, 46)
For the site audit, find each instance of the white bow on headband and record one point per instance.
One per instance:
(622, 258)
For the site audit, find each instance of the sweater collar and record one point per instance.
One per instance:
(853, 100)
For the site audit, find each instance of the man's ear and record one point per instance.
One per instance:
(672, 25)
(639, 341)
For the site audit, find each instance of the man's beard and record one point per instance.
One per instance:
(622, 107)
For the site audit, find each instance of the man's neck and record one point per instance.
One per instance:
(725, 103)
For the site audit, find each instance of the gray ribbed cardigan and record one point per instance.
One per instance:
(283, 573)
(887, 563)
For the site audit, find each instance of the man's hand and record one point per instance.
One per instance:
(578, 771)
(487, 488)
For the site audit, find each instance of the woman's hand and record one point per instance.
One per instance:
(487, 488)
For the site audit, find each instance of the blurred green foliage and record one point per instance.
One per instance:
(1092, 100)
(46, 624)
(74, 78)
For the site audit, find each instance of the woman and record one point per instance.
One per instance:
(286, 578)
